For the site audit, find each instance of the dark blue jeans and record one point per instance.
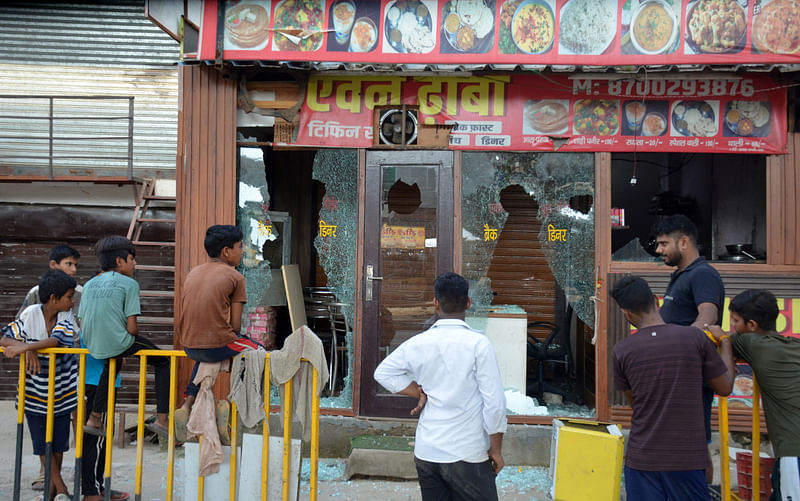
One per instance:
(459, 481)
(688, 485)
(212, 355)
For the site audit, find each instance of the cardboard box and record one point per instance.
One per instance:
(586, 461)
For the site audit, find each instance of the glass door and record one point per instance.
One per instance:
(408, 242)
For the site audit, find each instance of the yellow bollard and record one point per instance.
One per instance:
(265, 434)
(234, 443)
(171, 440)
(140, 425)
(724, 466)
(287, 438)
(756, 469)
(81, 418)
(201, 480)
(314, 437)
(48, 432)
(112, 377)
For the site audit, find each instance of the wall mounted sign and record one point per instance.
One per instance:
(562, 32)
(668, 112)
(402, 237)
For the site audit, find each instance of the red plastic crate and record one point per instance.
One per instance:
(744, 476)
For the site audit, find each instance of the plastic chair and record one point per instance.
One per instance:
(553, 350)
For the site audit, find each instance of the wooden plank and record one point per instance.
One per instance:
(358, 328)
(789, 203)
(795, 168)
(775, 222)
(294, 295)
(602, 243)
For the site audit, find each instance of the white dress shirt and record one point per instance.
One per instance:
(457, 368)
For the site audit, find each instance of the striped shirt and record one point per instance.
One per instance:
(30, 327)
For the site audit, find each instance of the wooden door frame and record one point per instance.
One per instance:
(367, 387)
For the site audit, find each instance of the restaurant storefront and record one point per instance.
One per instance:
(416, 137)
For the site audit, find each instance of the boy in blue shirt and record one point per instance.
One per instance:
(48, 325)
(108, 314)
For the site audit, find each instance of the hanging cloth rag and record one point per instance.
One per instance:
(247, 378)
(285, 365)
(203, 420)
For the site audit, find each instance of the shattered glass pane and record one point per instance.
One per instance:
(528, 253)
(566, 234)
(261, 238)
(338, 171)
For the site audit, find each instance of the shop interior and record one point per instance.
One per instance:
(521, 281)
(724, 194)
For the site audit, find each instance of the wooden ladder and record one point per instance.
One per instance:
(144, 192)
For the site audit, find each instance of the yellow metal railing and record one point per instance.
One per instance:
(724, 459)
(173, 355)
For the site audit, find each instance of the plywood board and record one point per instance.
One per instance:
(294, 295)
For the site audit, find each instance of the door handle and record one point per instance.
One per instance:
(370, 277)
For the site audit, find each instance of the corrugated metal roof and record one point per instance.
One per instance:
(455, 68)
(155, 129)
(95, 33)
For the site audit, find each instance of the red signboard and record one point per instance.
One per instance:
(536, 32)
(720, 113)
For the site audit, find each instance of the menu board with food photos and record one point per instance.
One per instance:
(668, 112)
(561, 32)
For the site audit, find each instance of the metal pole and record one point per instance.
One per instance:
(20, 426)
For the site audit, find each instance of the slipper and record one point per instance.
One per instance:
(181, 422)
(223, 422)
(119, 495)
(38, 484)
(62, 497)
(94, 430)
(158, 429)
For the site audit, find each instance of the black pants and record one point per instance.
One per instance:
(161, 366)
(459, 481)
(93, 464)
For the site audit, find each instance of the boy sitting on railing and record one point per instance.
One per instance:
(48, 325)
(108, 314)
(775, 360)
(212, 301)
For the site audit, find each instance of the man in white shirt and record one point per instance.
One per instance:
(462, 408)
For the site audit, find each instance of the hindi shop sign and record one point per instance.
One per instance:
(674, 112)
(536, 32)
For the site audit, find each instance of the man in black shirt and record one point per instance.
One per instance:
(695, 295)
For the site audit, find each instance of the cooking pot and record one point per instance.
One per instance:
(740, 250)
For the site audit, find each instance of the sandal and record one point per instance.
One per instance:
(119, 495)
(38, 484)
(158, 429)
(94, 430)
(223, 422)
(181, 422)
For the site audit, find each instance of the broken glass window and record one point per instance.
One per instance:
(337, 169)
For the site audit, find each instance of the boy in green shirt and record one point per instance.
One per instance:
(775, 360)
(108, 314)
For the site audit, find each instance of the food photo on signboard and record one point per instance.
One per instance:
(246, 25)
(715, 26)
(526, 26)
(587, 26)
(409, 26)
(467, 26)
(650, 27)
(695, 118)
(645, 118)
(298, 25)
(747, 118)
(353, 25)
(776, 27)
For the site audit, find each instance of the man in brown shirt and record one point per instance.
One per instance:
(661, 368)
(212, 300)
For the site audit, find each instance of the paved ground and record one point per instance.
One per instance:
(514, 483)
